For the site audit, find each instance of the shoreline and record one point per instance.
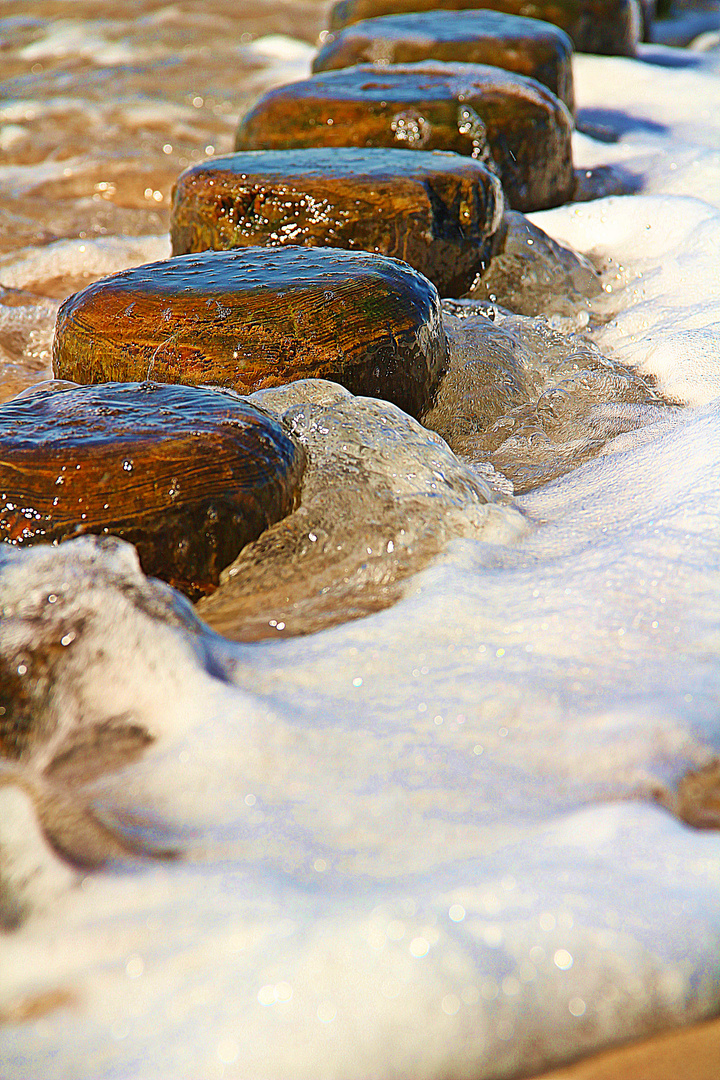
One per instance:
(571, 646)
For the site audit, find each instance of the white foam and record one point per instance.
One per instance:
(31, 267)
(282, 48)
(663, 289)
(660, 248)
(441, 840)
(498, 928)
(66, 37)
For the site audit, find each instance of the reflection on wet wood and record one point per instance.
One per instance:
(468, 108)
(187, 474)
(595, 26)
(527, 46)
(698, 798)
(255, 317)
(441, 213)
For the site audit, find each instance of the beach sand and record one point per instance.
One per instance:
(688, 1054)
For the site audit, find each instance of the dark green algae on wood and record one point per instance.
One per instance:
(470, 109)
(441, 213)
(190, 475)
(611, 27)
(528, 47)
(255, 317)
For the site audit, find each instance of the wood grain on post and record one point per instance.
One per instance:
(611, 27)
(189, 475)
(258, 317)
(439, 212)
(467, 108)
(526, 46)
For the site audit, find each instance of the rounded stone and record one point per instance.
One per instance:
(526, 46)
(257, 317)
(189, 475)
(438, 212)
(611, 27)
(465, 108)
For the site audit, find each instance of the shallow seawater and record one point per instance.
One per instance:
(453, 837)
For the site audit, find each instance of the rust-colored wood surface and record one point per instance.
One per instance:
(596, 26)
(439, 212)
(467, 108)
(526, 46)
(189, 475)
(258, 317)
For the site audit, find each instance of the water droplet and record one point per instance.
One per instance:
(419, 947)
(134, 967)
(227, 1051)
(450, 1004)
(326, 1012)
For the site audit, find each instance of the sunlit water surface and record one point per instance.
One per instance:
(455, 837)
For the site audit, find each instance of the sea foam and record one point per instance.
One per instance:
(447, 839)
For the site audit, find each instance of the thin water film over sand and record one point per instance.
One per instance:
(428, 785)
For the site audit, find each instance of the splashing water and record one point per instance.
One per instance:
(457, 836)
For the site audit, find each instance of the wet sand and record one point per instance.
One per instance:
(688, 1054)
